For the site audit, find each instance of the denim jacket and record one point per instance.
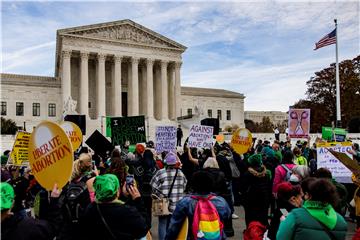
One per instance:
(186, 207)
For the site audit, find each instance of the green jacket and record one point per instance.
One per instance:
(300, 160)
(302, 223)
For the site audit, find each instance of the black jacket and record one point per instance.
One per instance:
(126, 221)
(20, 227)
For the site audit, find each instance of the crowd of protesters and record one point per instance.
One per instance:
(283, 194)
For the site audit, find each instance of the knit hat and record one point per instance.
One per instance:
(269, 153)
(106, 186)
(170, 158)
(7, 195)
(255, 160)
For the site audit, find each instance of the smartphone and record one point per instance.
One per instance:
(129, 181)
(284, 212)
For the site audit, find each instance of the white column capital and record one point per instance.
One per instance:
(66, 53)
(118, 58)
(164, 63)
(150, 61)
(135, 60)
(178, 64)
(101, 57)
(84, 55)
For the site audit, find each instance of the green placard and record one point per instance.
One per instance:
(108, 126)
(328, 134)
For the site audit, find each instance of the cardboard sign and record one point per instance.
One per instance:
(241, 140)
(128, 128)
(200, 136)
(19, 153)
(165, 137)
(74, 134)
(99, 144)
(336, 134)
(299, 123)
(325, 159)
(50, 155)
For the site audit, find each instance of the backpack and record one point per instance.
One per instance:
(288, 172)
(76, 199)
(255, 231)
(206, 221)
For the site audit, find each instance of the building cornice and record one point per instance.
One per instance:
(210, 92)
(29, 80)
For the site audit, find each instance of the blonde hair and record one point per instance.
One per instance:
(211, 163)
(80, 166)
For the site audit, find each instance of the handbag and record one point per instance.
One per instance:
(160, 204)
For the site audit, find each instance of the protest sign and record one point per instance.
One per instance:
(352, 165)
(74, 134)
(165, 137)
(50, 155)
(19, 153)
(200, 136)
(79, 120)
(99, 144)
(325, 159)
(241, 140)
(299, 123)
(128, 128)
(108, 127)
(336, 134)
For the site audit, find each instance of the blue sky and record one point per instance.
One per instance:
(263, 49)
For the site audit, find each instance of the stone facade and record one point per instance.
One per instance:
(276, 117)
(114, 69)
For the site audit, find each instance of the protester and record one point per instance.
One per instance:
(283, 171)
(19, 226)
(355, 152)
(4, 157)
(317, 218)
(202, 184)
(340, 189)
(179, 136)
(288, 198)
(169, 181)
(299, 159)
(299, 173)
(256, 189)
(277, 134)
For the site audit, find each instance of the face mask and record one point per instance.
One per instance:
(294, 178)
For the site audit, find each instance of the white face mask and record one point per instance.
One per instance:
(294, 178)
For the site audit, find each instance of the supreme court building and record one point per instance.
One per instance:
(115, 69)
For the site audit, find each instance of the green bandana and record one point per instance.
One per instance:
(7, 195)
(106, 186)
(324, 213)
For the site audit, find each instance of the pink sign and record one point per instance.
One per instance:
(299, 123)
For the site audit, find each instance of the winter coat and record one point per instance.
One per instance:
(220, 186)
(300, 160)
(303, 223)
(126, 221)
(275, 221)
(22, 227)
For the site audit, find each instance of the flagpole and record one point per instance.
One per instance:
(338, 110)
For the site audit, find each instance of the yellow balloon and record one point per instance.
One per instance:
(241, 140)
(74, 134)
(50, 155)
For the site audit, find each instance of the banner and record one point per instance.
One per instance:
(325, 159)
(241, 140)
(165, 137)
(299, 123)
(74, 134)
(19, 153)
(50, 155)
(108, 127)
(328, 134)
(128, 128)
(99, 144)
(200, 136)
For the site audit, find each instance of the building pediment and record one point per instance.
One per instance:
(125, 31)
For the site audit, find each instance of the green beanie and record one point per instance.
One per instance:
(255, 160)
(7, 195)
(106, 186)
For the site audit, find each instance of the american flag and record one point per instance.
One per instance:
(328, 39)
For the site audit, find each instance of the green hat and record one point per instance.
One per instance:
(106, 186)
(7, 195)
(255, 160)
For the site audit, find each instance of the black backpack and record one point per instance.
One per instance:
(76, 199)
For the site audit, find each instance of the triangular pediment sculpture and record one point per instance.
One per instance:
(125, 31)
